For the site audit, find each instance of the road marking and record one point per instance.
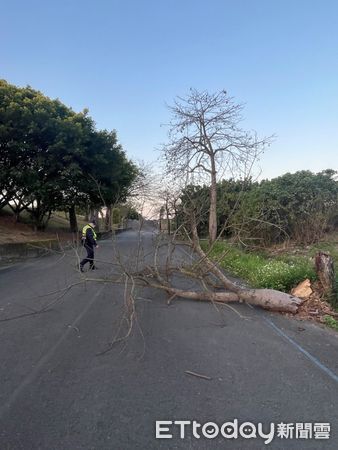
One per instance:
(281, 333)
(30, 378)
(302, 350)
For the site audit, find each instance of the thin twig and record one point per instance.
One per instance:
(188, 372)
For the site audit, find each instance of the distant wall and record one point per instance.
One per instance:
(18, 250)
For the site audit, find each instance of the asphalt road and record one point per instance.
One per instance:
(59, 392)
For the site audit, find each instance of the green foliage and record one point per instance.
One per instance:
(116, 215)
(132, 214)
(53, 158)
(331, 322)
(280, 273)
(229, 196)
(297, 206)
(300, 207)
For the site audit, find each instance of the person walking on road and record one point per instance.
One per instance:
(89, 242)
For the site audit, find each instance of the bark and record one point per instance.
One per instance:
(266, 298)
(168, 218)
(176, 217)
(94, 214)
(73, 219)
(213, 203)
(17, 209)
(325, 271)
(108, 224)
(271, 299)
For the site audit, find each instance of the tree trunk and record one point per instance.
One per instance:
(326, 273)
(168, 219)
(87, 213)
(265, 298)
(213, 202)
(176, 217)
(96, 216)
(73, 219)
(108, 221)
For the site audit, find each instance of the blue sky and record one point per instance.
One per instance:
(125, 60)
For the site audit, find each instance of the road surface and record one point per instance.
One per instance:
(59, 392)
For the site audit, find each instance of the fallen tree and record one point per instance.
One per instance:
(266, 298)
(225, 291)
(205, 142)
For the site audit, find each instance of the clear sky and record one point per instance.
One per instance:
(125, 59)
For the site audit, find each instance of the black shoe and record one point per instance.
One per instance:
(93, 268)
(81, 268)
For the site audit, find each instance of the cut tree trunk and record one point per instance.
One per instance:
(325, 271)
(265, 298)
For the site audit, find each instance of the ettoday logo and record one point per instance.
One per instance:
(246, 430)
(211, 430)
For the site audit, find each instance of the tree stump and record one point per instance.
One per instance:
(325, 272)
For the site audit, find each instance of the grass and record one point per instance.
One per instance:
(281, 273)
(331, 322)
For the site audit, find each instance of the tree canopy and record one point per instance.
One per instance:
(54, 158)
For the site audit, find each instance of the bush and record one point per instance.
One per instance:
(300, 206)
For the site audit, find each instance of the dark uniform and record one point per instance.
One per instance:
(89, 241)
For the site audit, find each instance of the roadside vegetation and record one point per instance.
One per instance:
(331, 322)
(299, 208)
(261, 270)
(269, 232)
(279, 268)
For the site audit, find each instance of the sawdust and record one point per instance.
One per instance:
(315, 307)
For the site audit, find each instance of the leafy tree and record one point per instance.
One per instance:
(53, 158)
(32, 149)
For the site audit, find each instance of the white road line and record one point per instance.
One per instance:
(281, 333)
(302, 350)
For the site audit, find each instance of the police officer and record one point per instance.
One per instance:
(89, 241)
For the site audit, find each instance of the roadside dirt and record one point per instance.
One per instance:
(11, 232)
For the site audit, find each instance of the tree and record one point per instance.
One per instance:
(300, 207)
(53, 158)
(206, 141)
(36, 137)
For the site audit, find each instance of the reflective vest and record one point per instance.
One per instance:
(84, 232)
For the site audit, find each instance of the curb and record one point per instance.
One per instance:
(33, 249)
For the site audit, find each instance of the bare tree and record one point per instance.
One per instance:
(206, 141)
